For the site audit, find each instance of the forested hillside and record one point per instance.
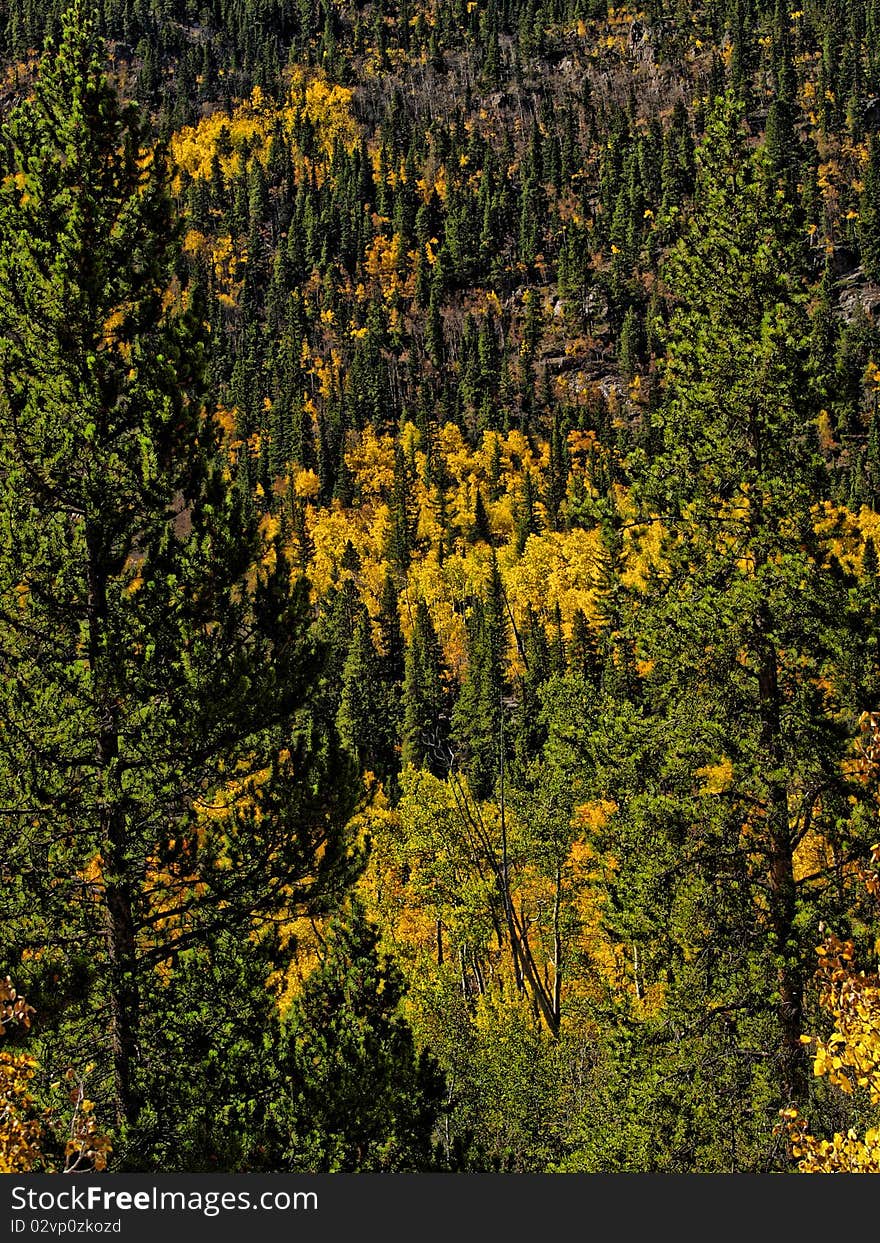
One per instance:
(439, 585)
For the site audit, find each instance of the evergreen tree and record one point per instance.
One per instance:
(739, 629)
(147, 672)
(392, 644)
(869, 213)
(425, 723)
(340, 610)
(480, 529)
(357, 1095)
(478, 718)
(496, 488)
(530, 735)
(365, 723)
(583, 651)
(402, 528)
(528, 522)
(629, 346)
(337, 1084)
(557, 644)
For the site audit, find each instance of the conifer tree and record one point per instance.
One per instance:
(478, 718)
(528, 522)
(425, 723)
(401, 532)
(392, 644)
(629, 345)
(356, 1093)
(536, 656)
(495, 464)
(583, 651)
(335, 627)
(155, 652)
(740, 629)
(365, 723)
(557, 643)
(480, 528)
(869, 213)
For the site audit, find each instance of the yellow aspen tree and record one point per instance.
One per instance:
(849, 1058)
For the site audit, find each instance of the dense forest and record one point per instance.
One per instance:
(439, 585)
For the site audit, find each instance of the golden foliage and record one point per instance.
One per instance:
(557, 567)
(20, 1129)
(87, 1146)
(23, 1125)
(310, 97)
(849, 1058)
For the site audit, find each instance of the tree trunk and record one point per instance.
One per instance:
(118, 904)
(781, 878)
(122, 977)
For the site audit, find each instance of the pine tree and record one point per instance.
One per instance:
(401, 531)
(496, 487)
(434, 339)
(629, 345)
(557, 644)
(478, 717)
(425, 723)
(869, 213)
(357, 1094)
(147, 671)
(480, 529)
(738, 629)
(392, 644)
(861, 658)
(872, 459)
(528, 522)
(364, 721)
(530, 734)
(558, 467)
(340, 610)
(583, 651)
